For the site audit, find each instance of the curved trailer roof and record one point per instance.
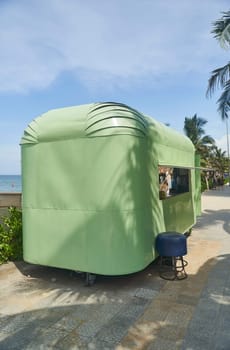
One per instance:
(108, 119)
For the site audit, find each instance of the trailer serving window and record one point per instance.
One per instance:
(173, 181)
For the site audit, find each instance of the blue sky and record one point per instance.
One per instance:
(154, 55)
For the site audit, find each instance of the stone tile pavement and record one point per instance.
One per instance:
(47, 308)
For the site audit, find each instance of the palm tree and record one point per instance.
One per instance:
(193, 128)
(218, 160)
(220, 77)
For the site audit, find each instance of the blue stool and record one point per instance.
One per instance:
(172, 246)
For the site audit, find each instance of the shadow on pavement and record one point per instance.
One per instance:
(99, 317)
(213, 217)
(209, 327)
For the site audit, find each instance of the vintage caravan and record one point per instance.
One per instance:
(100, 181)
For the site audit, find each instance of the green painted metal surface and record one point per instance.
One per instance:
(197, 190)
(91, 188)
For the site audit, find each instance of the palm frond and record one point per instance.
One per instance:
(208, 140)
(193, 128)
(218, 78)
(200, 122)
(222, 30)
(224, 102)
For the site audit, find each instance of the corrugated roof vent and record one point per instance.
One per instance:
(112, 118)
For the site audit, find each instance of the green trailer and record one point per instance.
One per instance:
(99, 182)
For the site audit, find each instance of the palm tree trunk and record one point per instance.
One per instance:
(207, 184)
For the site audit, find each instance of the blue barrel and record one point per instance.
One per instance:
(171, 244)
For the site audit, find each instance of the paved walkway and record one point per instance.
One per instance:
(46, 308)
(194, 314)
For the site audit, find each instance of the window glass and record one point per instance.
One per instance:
(173, 181)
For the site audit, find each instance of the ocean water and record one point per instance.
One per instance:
(10, 183)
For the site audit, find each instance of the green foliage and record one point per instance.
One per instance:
(220, 77)
(194, 130)
(221, 29)
(11, 236)
(203, 184)
(226, 180)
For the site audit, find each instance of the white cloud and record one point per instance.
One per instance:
(111, 40)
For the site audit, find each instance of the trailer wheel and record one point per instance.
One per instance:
(89, 279)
